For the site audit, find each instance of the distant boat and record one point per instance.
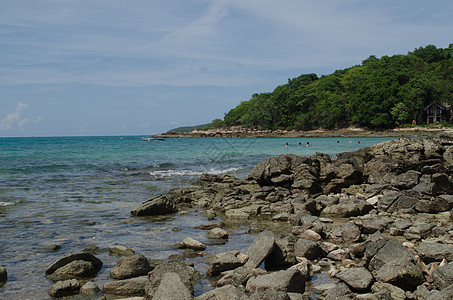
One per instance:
(147, 139)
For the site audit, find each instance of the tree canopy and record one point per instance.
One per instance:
(380, 93)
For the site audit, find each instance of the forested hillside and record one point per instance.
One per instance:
(380, 93)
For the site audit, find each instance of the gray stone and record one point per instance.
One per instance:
(431, 252)
(443, 276)
(350, 232)
(236, 277)
(132, 266)
(358, 279)
(394, 292)
(261, 247)
(191, 243)
(306, 248)
(390, 262)
(270, 295)
(160, 205)
(73, 270)
(282, 257)
(171, 287)
(227, 292)
(286, 280)
(348, 208)
(120, 250)
(81, 256)
(217, 233)
(126, 287)
(223, 262)
(445, 294)
(89, 289)
(65, 288)
(340, 291)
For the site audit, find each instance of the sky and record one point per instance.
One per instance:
(141, 67)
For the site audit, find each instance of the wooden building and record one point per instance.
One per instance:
(436, 112)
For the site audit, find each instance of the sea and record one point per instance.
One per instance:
(61, 195)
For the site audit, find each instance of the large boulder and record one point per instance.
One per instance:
(65, 288)
(306, 248)
(132, 266)
(431, 252)
(261, 247)
(160, 205)
(390, 262)
(290, 280)
(223, 262)
(236, 277)
(443, 276)
(358, 279)
(77, 265)
(171, 287)
(282, 256)
(126, 287)
(3, 274)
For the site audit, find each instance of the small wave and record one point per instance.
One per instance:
(169, 173)
(6, 203)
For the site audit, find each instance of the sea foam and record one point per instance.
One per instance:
(170, 173)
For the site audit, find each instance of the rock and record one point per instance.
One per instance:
(226, 292)
(350, 232)
(390, 262)
(129, 267)
(217, 233)
(187, 274)
(192, 244)
(126, 287)
(391, 291)
(443, 276)
(89, 289)
(3, 274)
(171, 287)
(160, 205)
(270, 295)
(373, 225)
(311, 235)
(348, 207)
(239, 213)
(65, 288)
(236, 277)
(223, 262)
(282, 256)
(322, 289)
(431, 252)
(358, 279)
(120, 250)
(80, 264)
(445, 294)
(339, 254)
(286, 280)
(340, 291)
(262, 246)
(306, 222)
(304, 267)
(307, 249)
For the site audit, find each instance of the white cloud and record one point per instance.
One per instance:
(14, 119)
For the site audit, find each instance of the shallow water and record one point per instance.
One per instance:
(78, 192)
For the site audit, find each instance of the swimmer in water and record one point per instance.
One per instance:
(308, 144)
(286, 145)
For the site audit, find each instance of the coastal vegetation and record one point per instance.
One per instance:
(381, 93)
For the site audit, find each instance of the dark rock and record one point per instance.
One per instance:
(340, 291)
(431, 251)
(3, 274)
(171, 287)
(262, 246)
(388, 291)
(306, 248)
(126, 287)
(282, 255)
(65, 288)
(224, 292)
(132, 266)
(390, 262)
(308, 222)
(373, 225)
(358, 279)
(443, 276)
(91, 271)
(286, 280)
(348, 207)
(407, 180)
(160, 205)
(223, 262)
(74, 269)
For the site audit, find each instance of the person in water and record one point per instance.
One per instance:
(286, 145)
(308, 144)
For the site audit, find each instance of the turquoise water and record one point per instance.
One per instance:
(78, 192)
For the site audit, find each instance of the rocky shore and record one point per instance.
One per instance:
(240, 132)
(377, 221)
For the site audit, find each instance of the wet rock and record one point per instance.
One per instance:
(282, 256)
(358, 279)
(306, 222)
(132, 266)
(160, 205)
(286, 280)
(225, 292)
(390, 262)
(3, 274)
(126, 287)
(89, 289)
(65, 288)
(306, 248)
(236, 277)
(217, 233)
(171, 287)
(223, 262)
(443, 276)
(120, 250)
(431, 251)
(78, 265)
(262, 246)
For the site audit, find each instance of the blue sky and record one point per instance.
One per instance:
(103, 67)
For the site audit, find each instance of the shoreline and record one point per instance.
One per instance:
(239, 132)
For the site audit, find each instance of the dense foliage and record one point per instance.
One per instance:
(380, 93)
